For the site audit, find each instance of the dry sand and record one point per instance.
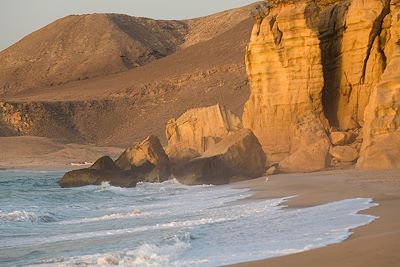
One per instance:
(376, 244)
(39, 153)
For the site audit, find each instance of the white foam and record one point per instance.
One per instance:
(114, 216)
(18, 216)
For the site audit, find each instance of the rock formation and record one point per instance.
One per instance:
(312, 72)
(238, 156)
(283, 61)
(381, 145)
(197, 129)
(145, 161)
(148, 156)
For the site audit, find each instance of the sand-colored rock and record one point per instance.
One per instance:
(341, 138)
(198, 129)
(344, 153)
(310, 147)
(283, 61)
(238, 156)
(149, 157)
(353, 37)
(381, 145)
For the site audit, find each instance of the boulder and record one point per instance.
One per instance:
(342, 138)
(237, 156)
(148, 158)
(310, 147)
(344, 153)
(198, 129)
(103, 170)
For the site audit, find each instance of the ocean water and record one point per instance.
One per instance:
(166, 224)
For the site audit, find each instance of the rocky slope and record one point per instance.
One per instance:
(79, 47)
(86, 46)
(207, 68)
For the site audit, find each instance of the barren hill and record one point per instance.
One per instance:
(205, 67)
(79, 47)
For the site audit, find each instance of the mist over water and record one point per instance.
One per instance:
(166, 224)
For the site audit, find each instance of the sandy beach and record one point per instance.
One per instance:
(376, 244)
(40, 153)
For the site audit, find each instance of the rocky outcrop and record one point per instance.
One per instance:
(142, 162)
(283, 61)
(238, 156)
(197, 129)
(352, 37)
(381, 145)
(103, 170)
(148, 157)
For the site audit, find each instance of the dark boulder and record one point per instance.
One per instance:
(103, 170)
(237, 157)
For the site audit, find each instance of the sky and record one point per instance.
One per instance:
(21, 17)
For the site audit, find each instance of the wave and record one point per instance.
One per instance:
(114, 216)
(165, 253)
(25, 216)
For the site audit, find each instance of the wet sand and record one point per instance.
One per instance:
(376, 244)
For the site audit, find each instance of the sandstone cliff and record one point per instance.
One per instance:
(283, 62)
(313, 68)
(381, 146)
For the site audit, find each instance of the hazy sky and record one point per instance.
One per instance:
(21, 17)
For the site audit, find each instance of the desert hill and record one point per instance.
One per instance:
(79, 47)
(207, 68)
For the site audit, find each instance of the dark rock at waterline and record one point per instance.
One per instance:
(103, 170)
(238, 156)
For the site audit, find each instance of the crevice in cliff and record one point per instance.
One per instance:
(375, 33)
(331, 28)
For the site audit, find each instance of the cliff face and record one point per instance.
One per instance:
(314, 68)
(353, 40)
(284, 66)
(381, 146)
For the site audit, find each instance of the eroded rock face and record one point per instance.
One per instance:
(238, 156)
(381, 145)
(283, 61)
(148, 157)
(353, 37)
(103, 170)
(197, 129)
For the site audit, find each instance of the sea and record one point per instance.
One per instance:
(166, 224)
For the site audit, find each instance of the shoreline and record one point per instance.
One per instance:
(374, 244)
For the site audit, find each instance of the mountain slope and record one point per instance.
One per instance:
(125, 107)
(85, 46)
(80, 47)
